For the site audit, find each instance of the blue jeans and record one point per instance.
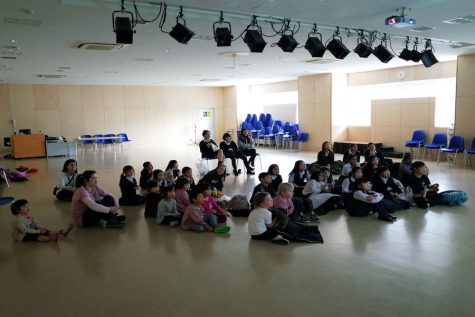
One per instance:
(210, 219)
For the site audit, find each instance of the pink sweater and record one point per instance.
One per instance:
(211, 207)
(284, 203)
(182, 200)
(193, 216)
(84, 199)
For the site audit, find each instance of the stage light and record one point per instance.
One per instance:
(253, 37)
(363, 49)
(287, 43)
(406, 54)
(336, 47)
(381, 52)
(428, 58)
(180, 32)
(123, 26)
(314, 44)
(222, 32)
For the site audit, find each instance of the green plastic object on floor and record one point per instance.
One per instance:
(222, 229)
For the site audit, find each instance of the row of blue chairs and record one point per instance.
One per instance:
(439, 142)
(114, 138)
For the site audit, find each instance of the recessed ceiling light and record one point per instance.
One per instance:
(64, 67)
(233, 54)
(13, 41)
(168, 51)
(210, 79)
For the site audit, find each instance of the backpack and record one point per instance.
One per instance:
(336, 167)
(239, 206)
(453, 197)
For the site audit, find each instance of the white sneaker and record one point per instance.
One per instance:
(280, 240)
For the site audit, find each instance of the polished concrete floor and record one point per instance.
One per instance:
(422, 265)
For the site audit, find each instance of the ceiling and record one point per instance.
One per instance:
(42, 37)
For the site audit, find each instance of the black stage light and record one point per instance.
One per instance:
(382, 53)
(406, 54)
(363, 49)
(124, 34)
(314, 44)
(222, 32)
(287, 43)
(223, 36)
(337, 48)
(416, 56)
(428, 58)
(181, 33)
(255, 41)
(315, 47)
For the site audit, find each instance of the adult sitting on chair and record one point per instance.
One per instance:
(231, 151)
(246, 145)
(209, 149)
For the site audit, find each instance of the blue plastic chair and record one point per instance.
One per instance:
(270, 123)
(439, 141)
(456, 145)
(279, 123)
(262, 118)
(468, 152)
(418, 140)
(286, 127)
(248, 118)
(84, 142)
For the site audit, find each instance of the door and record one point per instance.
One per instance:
(206, 122)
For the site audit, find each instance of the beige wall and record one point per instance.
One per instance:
(394, 120)
(315, 109)
(415, 72)
(465, 98)
(230, 109)
(148, 114)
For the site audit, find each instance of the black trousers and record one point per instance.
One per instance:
(131, 200)
(167, 219)
(91, 218)
(65, 195)
(269, 234)
(252, 153)
(237, 155)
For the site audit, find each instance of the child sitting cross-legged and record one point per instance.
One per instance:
(128, 188)
(364, 201)
(25, 228)
(209, 204)
(182, 198)
(167, 213)
(196, 220)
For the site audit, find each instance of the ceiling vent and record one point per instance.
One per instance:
(422, 29)
(23, 22)
(45, 76)
(100, 46)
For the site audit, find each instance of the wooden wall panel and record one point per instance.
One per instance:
(92, 97)
(359, 134)
(71, 124)
(4, 98)
(49, 122)
(150, 115)
(22, 97)
(114, 98)
(70, 97)
(46, 97)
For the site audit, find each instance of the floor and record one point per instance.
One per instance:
(422, 265)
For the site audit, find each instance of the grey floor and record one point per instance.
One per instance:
(422, 265)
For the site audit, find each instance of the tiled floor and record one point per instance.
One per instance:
(422, 265)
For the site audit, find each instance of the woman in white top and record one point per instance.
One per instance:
(66, 182)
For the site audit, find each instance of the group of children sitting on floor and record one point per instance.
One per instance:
(280, 211)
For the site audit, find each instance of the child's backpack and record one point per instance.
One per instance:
(453, 197)
(16, 176)
(239, 206)
(336, 167)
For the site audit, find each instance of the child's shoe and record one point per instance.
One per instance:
(221, 229)
(174, 224)
(280, 240)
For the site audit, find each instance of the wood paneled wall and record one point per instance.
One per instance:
(393, 121)
(148, 114)
(465, 98)
(315, 109)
